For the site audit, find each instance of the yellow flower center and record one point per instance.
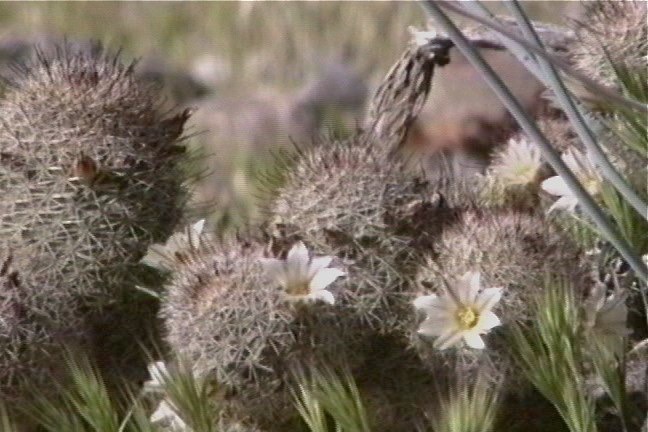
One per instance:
(298, 289)
(524, 171)
(467, 318)
(591, 185)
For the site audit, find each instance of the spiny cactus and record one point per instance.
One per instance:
(509, 249)
(90, 178)
(231, 321)
(27, 343)
(348, 200)
(559, 132)
(614, 29)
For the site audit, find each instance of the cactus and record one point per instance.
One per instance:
(231, 321)
(510, 249)
(348, 200)
(90, 177)
(28, 344)
(611, 30)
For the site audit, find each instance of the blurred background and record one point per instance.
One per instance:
(265, 75)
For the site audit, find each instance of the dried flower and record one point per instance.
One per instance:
(586, 174)
(165, 416)
(463, 313)
(176, 250)
(518, 164)
(157, 371)
(301, 277)
(606, 316)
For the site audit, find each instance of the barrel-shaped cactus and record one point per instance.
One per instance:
(232, 321)
(515, 251)
(349, 200)
(89, 175)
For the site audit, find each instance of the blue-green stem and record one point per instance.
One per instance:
(597, 89)
(528, 125)
(576, 117)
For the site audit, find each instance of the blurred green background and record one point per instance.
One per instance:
(251, 68)
(276, 42)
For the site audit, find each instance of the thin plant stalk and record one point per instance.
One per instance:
(574, 113)
(530, 128)
(596, 88)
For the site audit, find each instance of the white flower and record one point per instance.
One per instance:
(166, 417)
(301, 277)
(518, 164)
(586, 174)
(606, 316)
(176, 250)
(463, 313)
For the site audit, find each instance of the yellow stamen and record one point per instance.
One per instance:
(298, 289)
(591, 185)
(467, 318)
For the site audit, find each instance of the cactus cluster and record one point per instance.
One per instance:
(339, 200)
(90, 177)
(396, 235)
(93, 192)
(510, 249)
(611, 31)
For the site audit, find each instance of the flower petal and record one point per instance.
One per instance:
(568, 203)
(162, 412)
(464, 288)
(556, 186)
(165, 414)
(433, 304)
(198, 226)
(297, 261)
(318, 264)
(435, 325)
(488, 298)
(153, 259)
(573, 160)
(448, 339)
(474, 340)
(195, 231)
(426, 301)
(488, 320)
(324, 295)
(324, 278)
(157, 257)
(475, 286)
